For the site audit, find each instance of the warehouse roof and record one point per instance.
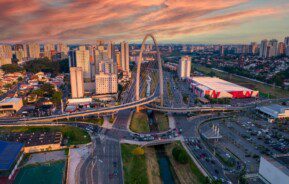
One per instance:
(274, 110)
(217, 84)
(8, 153)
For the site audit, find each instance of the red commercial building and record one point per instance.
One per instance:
(218, 88)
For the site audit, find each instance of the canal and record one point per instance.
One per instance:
(166, 171)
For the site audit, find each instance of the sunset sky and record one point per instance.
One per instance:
(176, 21)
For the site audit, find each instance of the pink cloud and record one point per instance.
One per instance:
(83, 20)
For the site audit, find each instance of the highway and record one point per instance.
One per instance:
(104, 164)
(98, 111)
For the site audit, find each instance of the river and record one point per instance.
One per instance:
(163, 160)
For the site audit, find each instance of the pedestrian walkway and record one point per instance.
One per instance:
(75, 159)
(172, 121)
(106, 124)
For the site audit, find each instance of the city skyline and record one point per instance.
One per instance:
(224, 22)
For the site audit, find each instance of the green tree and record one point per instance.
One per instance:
(180, 155)
(11, 68)
(56, 97)
(20, 79)
(7, 86)
(48, 89)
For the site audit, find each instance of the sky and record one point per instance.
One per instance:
(171, 21)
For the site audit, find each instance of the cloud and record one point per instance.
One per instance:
(87, 20)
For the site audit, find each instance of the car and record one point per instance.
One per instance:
(114, 164)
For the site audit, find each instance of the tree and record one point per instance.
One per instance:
(180, 155)
(138, 151)
(20, 79)
(56, 97)
(48, 89)
(11, 68)
(7, 86)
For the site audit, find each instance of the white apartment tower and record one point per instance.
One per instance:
(264, 48)
(273, 48)
(125, 56)
(77, 83)
(105, 83)
(184, 68)
(82, 60)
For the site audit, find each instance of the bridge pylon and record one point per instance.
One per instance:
(137, 89)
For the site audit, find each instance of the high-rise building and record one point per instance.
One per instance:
(253, 48)
(107, 66)
(221, 50)
(20, 52)
(82, 60)
(48, 50)
(287, 51)
(118, 59)
(273, 48)
(125, 56)
(77, 82)
(281, 48)
(33, 50)
(286, 42)
(61, 47)
(72, 58)
(105, 83)
(111, 51)
(184, 69)
(264, 48)
(5, 54)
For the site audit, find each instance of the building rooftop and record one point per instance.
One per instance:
(218, 84)
(9, 152)
(34, 139)
(275, 107)
(11, 100)
(281, 163)
(275, 110)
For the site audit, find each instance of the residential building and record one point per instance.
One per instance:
(281, 48)
(33, 50)
(264, 48)
(273, 48)
(253, 48)
(111, 51)
(48, 49)
(76, 82)
(61, 47)
(118, 59)
(82, 59)
(105, 83)
(184, 69)
(5, 54)
(125, 56)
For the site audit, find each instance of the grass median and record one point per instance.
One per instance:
(162, 121)
(139, 122)
(134, 166)
(140, 165)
